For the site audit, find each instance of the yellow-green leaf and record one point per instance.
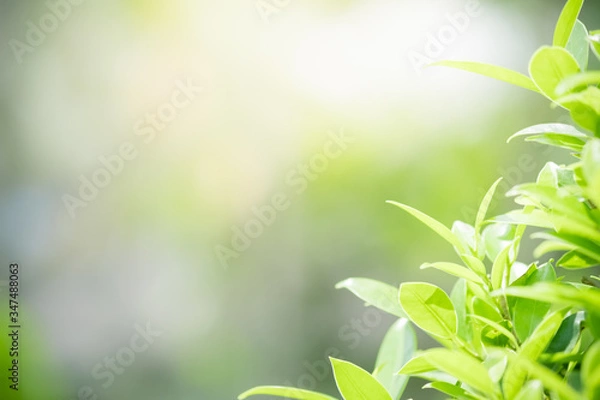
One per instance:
(566, 22)
(436, 226)
(590, 371)
(491, 71)
(531, 349)
(549, 66)
(430, 308)
(354, 383)
(375, 293)
(463, 367)
(287, 392)
(397, 348)
(456, 270)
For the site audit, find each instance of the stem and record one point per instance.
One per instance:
(503, 305)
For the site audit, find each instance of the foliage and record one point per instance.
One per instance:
(507, 330)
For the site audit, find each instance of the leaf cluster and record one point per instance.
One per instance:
(507, 330)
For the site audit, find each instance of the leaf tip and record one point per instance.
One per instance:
(434, 64)
(334, 361)
(342, 284)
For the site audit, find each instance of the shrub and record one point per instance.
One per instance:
(507, 330)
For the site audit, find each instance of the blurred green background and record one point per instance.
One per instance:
(278, 79)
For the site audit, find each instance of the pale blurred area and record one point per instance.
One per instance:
(144, 248)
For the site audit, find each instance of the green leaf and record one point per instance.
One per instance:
(496, 363)
(463, 367)
(500, 267)
(548, 176)
(517, 270)
(535, 218)
(287, 392)
(559, 294)
(579, 81)
(560, 141)
(578, 44)
(559, 135)
(594, 39)
(436, 226)
(354, 383)
(375, 293)
(485, 203)
(526, 314)
(591, 170)
(491, 71)
(430, 308)
(533, 390)
(555, 176)
(459, 297)
(531, 350)
(550, 246)
(576, 260)
(496, 237)
(542, 336)
(565, 241)
(478, 291)
(592, 320)
(549, 379)
(567, 335)
(590, 371)
(465, 234)
(549, 66)
(456, 270)
(417, 365)
(484, 309)
(456, 392)
(584, 107)
(497, 327)
(475, 264)
(566, 22)
(397, 348)
(567, 215)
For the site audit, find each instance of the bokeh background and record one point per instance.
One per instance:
(278, 79)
